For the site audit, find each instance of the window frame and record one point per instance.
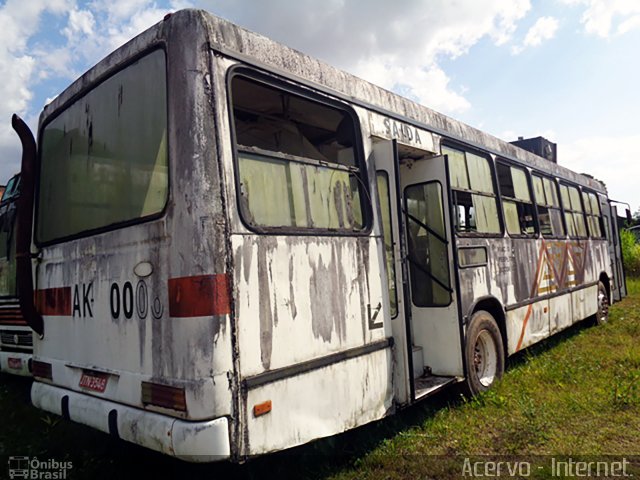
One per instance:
(494, 181)
(443, 198)
(534, 209)
(554, 182)
(271, 80)
(110, 73)
(573, 212)
(599, 218)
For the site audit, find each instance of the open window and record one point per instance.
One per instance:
(594, 218)
(548, 204)
(573, 212)
(517, 205)
(474, 196)
(299, 166)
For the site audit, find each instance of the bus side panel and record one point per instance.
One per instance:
(311, 299)
(320, 403)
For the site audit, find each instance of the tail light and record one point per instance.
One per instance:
(164, 396)
(41, 370)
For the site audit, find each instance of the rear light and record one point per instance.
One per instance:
(41, 370)
(164, 396)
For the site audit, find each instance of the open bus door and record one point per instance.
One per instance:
(427, 330)
(615, 251)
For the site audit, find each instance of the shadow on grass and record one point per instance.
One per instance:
(97, 455)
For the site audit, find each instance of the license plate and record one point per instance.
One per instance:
(15, 363)
(94, 381)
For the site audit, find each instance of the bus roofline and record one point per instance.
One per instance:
(206, 441)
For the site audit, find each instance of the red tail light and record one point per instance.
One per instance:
(164, 396)
(41, 370)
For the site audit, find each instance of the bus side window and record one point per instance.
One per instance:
(473, 192)
(516, 200)
(594, 219)
(298, 166)
(548, 206)
(573, 212)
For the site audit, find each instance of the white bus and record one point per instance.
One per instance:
(16, 339)
(237, 248)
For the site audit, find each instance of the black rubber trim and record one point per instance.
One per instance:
(315, 364)
(113, 423)
(64, 407)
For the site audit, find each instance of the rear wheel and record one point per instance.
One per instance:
(484, 353)
(602, 315)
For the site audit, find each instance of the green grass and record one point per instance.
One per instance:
(576, 394)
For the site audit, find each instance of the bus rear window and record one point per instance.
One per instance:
(104, 158)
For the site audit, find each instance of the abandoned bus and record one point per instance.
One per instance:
(237, 248)
(16, 339)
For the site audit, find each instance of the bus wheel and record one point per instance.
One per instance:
(484, 353)
(602, 315)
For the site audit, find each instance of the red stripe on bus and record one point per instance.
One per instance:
(54, 301)
(199, 296)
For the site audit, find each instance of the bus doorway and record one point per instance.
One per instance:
(431, 299)
(416, 220)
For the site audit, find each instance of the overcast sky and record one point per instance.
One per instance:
(565, 69)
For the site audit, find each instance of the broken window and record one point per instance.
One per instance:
(385, 211)
(516, 200)
(573, 214)
(549, 212)
(592, 209)
(297, 162)
(104, 158)
(473, 193)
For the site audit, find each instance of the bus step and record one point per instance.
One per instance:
(430, 384)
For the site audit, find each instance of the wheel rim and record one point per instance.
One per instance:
(485, 358)
(603, 307)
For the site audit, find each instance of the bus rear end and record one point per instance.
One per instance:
(130, 274)
(16, 341)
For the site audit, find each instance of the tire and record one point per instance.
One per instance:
(602, 315)
(484, 353)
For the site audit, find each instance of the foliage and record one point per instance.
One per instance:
(630, 253)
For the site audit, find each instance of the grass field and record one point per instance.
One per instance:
(576, 394)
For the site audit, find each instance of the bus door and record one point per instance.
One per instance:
(615, 251)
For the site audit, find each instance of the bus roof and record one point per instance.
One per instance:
(254, 49)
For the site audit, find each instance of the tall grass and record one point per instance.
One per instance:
(630, 253)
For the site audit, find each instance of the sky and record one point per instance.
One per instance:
(564, 69)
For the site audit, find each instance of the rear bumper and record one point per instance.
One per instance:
(205, 441)
(15, 363)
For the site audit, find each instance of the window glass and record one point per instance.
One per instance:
(511, 219)
(104, 158)
(586, 202)
(564, 193)
(595, 206)
(479, 173)
(427, 243)
(539, 191)
(520, 186)
(551, 192)
(476, 212)
(457, 168)
(516, 200)
(296, 160)
(576, 206)
(385, 211)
